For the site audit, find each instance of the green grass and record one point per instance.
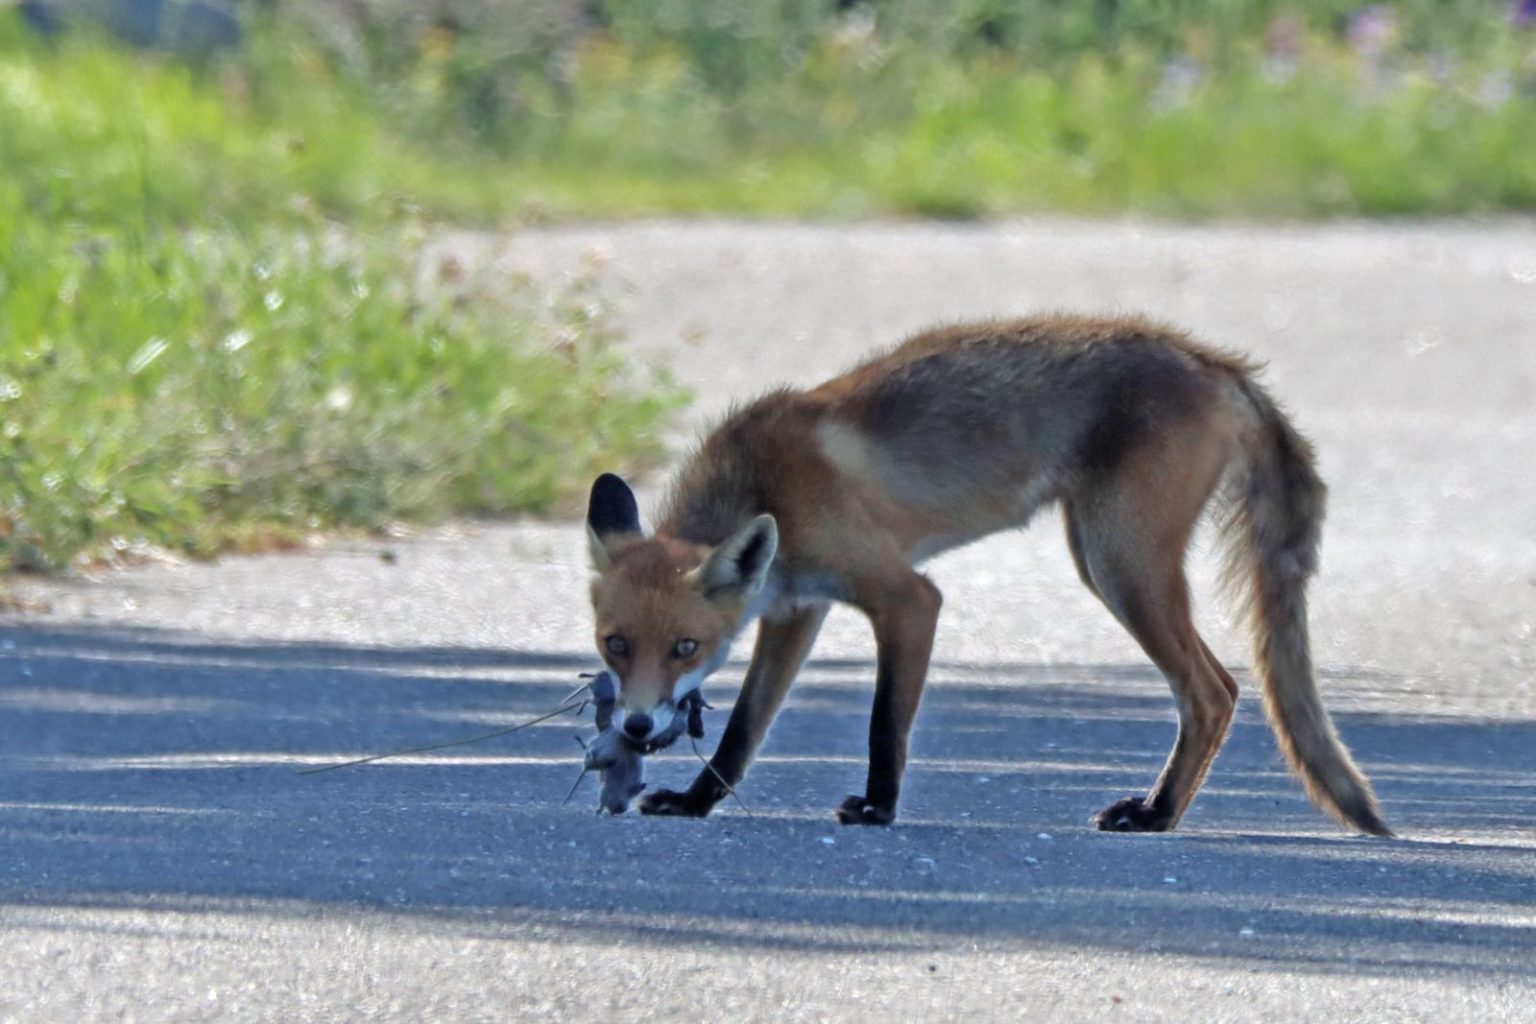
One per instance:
(831, 123)
(197, 392)
(193, 358)
(1096, 136)
(99, 135)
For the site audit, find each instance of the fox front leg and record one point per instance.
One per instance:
(905, 618)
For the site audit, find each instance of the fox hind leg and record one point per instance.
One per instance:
(1127, 535)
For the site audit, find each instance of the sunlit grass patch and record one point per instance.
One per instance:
(194, 392)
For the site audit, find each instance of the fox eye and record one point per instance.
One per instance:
(617, 645)
(684, 648)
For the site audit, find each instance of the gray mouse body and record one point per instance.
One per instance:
(622, 769)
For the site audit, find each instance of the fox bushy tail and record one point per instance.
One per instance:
(1274, 529)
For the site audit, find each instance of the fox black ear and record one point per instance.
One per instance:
(612, 507)
(611, 512)
(740, 565)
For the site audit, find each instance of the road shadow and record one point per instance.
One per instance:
(150, 769)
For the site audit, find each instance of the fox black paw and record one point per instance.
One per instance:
(671, 803)
(1133, 814)
(856, 810)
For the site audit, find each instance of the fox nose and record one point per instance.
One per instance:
(638, 726)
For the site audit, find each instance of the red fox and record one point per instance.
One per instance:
(837, 493)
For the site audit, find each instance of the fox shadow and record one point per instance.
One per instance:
(152, 769)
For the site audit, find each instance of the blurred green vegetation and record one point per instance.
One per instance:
(486, 111)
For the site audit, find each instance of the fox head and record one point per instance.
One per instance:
(666, 610)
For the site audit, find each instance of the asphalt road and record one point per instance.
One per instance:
(162, 859)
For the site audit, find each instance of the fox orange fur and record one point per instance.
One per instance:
(838, 493)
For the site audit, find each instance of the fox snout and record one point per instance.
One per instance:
(639, 725)
(644, 724)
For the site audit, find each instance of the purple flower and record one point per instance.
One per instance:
(1495, 90)
(1522, 13)
(1371, 29)
(1442, 67)
(1284, 36)
(1180, 78)
(1284, 39)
